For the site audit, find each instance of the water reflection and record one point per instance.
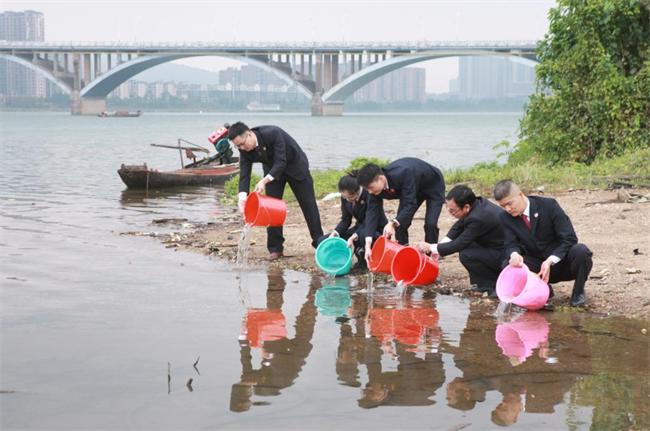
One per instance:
(392, 351)
(519, 337)
(264, 333)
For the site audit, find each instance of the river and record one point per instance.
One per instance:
(107, 331)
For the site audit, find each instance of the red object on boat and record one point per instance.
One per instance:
(215, 136)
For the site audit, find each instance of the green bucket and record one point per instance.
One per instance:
(333, 256)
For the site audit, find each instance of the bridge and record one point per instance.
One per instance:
(327, 73)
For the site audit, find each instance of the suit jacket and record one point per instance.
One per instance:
(551, 231)
(279, 154)
(481, 226)
(357, 212)
(411, 181)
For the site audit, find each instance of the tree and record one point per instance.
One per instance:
(593, 83)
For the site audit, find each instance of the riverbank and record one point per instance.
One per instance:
(614, 224)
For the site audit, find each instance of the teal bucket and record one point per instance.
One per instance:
(333, 256)
(333, 300)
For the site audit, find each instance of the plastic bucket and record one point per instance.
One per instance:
(333, 256)
(522, 287)
(411, 267)
(382, 254)
(265, 325)
(263, 210)
(517, 339)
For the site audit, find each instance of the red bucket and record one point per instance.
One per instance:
(382, 253)
(263, 210)
(412, 267)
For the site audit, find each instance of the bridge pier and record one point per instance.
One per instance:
(86, 105)
(325, 109)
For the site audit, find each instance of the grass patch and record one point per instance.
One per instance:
(632, 167)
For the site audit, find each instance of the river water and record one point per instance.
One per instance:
(106, 331)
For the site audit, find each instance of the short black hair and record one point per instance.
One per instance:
(503, 189)
(237, 129)
(368, 174)
(349, 182)
(462, 195)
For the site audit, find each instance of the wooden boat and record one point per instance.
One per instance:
(120, 114)
(143, 177)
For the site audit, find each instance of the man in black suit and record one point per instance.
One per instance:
(538, 233)
(283, 161)
(354, 204)
(477, 237)
(412, 181)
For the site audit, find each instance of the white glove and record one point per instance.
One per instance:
(242, 196)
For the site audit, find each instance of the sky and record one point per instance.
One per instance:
(284, 21)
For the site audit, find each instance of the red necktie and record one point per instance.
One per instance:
(525, 217)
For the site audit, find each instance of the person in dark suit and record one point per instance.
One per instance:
(477, 237)
(283, 161)
(412, 181)
(354, 204)
(538, 233)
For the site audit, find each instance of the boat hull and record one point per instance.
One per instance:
(142, 177)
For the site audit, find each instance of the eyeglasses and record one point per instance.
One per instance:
(454, 211)
(243, 137)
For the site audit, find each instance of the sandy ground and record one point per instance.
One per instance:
(613, 224)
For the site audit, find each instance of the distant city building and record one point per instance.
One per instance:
(16, 80)
(403, 85)
(492, 78)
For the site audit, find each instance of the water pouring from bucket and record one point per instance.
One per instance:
(520, 286)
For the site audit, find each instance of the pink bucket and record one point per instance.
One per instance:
(522, 287)
(517, 339)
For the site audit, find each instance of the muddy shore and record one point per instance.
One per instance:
(613, 224)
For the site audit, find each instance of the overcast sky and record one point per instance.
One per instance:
(175, 21)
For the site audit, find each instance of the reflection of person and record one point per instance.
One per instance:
(477, 237)
(419, 371)
(283, 358)
(538, 233)
(283, 161)
(507, 412)
(484, 368)
(354, 203)
(412, 181)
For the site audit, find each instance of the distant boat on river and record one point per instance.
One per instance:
(263, 107)
(120, 113)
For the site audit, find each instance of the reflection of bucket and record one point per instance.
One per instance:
(407, 325)
(265, 325)
(382, 254)
(334, 256)
(263, 210)
(518, 339)
(333, 300)
(412, 267)
(522, 287)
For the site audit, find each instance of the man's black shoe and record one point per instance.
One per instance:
(578, 300)
(492, 293)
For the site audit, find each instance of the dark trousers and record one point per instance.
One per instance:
(431, 217)
(576, 265)
(482, 264)
(304, 192)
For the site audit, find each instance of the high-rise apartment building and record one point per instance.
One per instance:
(17, 80)
(493, 78)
